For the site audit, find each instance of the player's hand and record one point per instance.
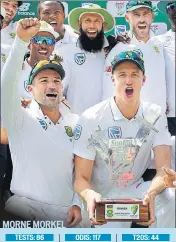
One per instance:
(123, 37)
(74, 216)
(149, 200)
(169, 178)
(27, 28)
(91, 198)
(25, 102)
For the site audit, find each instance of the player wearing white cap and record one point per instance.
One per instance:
(113, 142)
(41, 48)
(140, 15)
(40, 138)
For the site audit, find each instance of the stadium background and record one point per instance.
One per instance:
(116, 8)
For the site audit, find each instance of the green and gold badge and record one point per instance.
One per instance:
(12, 35)
(3, 57)
(156, 49)
(69, 131)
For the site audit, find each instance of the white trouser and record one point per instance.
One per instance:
(164, 206)
(32, 210)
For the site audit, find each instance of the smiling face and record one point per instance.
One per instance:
(53, 13)
(128, 80)
(140, 21)
(91, 24)
(47, 88)
(41, 51)
(11, 10)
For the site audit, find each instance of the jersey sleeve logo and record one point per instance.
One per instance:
(80, 58)
(78, 131)
(114, 132)
(26, 85)
(167, 41)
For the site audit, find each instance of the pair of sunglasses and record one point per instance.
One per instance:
(39, 40)
(171, 7)
(134, 3)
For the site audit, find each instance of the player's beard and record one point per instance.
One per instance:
(93, 45)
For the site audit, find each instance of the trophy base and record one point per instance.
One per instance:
(122, 210)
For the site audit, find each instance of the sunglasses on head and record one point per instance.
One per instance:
(134, 3)
(171, 7)
(39, 40)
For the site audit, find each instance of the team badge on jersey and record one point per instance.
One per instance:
(3, 58)
(77, 133)
(12, 35)
(167, 41)
(68, 131)
(114, 132)
(156, 49)
(80, 58)
(43, 124)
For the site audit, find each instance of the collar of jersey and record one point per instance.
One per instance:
(135, 41)
(37, 112)
(66, 37)
(117, 115)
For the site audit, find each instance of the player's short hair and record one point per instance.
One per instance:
(41, 2)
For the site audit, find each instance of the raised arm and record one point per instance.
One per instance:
(10, 98)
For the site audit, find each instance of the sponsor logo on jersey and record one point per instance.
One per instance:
(80, 58)
(114, 132)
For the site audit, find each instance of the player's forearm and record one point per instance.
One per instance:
(10, 99)
(82, 186)
(3, 136)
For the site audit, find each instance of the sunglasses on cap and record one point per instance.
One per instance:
(39, 40)
(135, 3)
(171, 7)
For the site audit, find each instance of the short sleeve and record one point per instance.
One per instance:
(82, 134)
(163, 137)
